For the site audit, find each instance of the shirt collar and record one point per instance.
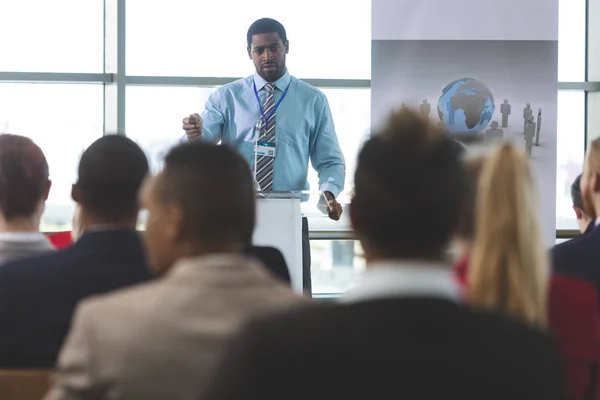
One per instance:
(395, 278)
(22, 236)
(281, 83)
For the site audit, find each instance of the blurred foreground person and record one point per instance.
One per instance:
(402, 332)
(162, 340)
(38, 295)
(505, 268)
(24, 188)
(580, 256)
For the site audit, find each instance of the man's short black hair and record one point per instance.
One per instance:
(214, 186)
(266, 25)
(111, 172)
(409, 186)
(576, 193)
(23, 176)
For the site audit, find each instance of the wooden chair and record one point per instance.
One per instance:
(24, 384)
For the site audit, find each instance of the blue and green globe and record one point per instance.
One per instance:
(466, 106)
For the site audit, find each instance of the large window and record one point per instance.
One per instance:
(328, 39)
(63, 120)
(570, 153)
(51, 36)
(571, 40)
(170, 56)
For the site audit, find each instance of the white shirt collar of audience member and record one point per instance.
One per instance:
(391, 279)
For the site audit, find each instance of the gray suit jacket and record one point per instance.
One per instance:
(161, 340)
(13, 248)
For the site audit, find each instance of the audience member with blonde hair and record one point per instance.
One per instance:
(506, 269)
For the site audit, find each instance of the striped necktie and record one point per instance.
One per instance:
(264, 164)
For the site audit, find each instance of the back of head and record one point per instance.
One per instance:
(23, 177)
(214, 187)
(266, 25)
(111, 171)
(409, 186)
(508, 269)
(576, 193)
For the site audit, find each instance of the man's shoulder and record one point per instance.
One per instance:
(39, 265)
(580, 247)
(321, 322)
(129, 301)
(236, 86)
(307, 89)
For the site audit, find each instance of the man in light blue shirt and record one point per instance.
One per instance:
(297, 115)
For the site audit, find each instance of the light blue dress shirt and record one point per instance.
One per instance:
(303, 130)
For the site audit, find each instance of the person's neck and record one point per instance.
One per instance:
(20, 225)
(273, 80)
(373, 260)
(90, 224)
(199, 249)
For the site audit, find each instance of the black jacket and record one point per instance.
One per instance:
(38, 295)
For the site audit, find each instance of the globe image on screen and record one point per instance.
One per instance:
(466, 106)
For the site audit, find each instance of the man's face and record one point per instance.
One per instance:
(162, 226)
(588, 182)
(268, 52)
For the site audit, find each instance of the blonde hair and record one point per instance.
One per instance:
(508, 271)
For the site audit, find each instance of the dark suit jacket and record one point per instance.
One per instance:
(404, 348)
(579, 257)
(273, 261)
(38, 295)
(574, 320)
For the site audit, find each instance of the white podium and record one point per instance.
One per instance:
(279, 224)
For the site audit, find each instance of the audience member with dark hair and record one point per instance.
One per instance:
(24, 187)
(38, 295)
(402, 332)
(505, 268)
(201, 220)
(579, 256)
(583, 220)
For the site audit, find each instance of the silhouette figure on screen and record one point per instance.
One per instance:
(527, 112)
(494, 134)
(403, 107)
(529, 135)
(539, 126)
(425, 109)
(505, 110)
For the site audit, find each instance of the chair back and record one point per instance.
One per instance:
(24, 384)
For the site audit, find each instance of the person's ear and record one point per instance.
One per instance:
(249, 52)
(174, 223)
(47, 190)
(75, 193)
(595, 183)
(287, 47)
(578, 212)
